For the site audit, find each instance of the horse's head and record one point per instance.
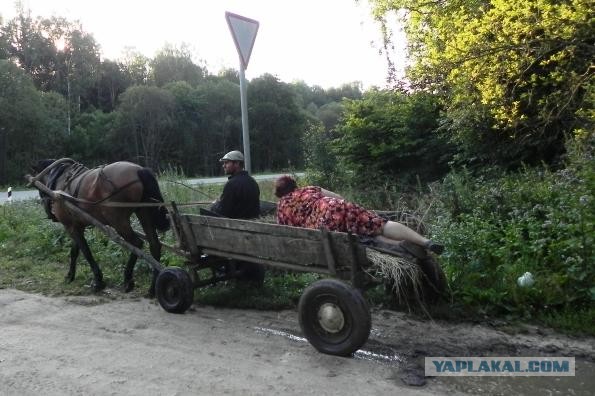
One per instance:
(40, 166)
(47, 172)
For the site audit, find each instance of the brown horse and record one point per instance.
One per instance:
(122, 182)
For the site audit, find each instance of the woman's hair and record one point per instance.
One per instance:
(284, 185)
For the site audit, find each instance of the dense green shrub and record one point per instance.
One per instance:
(391, 136)
(536, 220)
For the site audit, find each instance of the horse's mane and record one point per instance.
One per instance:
(55, 175)
(42, 164)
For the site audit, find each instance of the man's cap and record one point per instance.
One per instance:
(233, 156)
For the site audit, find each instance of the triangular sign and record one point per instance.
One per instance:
(243, 30)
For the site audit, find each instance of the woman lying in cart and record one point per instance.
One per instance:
(315, 207)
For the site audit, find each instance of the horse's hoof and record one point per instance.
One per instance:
(128, 286)
(98, 286)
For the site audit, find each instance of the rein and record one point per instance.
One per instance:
(77, 172)
(79, 169)
(49, 168)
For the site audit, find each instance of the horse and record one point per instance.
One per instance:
(121, 182)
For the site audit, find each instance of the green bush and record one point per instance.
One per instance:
(497, 229)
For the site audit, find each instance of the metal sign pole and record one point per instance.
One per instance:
(243, 30)
(245, 130)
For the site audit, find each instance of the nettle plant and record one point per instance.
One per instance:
(496, 230)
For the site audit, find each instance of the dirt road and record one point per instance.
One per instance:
(104, 346)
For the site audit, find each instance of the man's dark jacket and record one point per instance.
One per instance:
(240, 198)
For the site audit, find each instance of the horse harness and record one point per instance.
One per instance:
(76, 173)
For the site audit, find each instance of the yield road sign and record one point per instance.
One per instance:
(243, 31)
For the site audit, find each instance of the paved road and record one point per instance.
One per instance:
(33, 194)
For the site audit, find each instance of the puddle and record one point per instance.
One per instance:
(376, 352)
(280, 333)
(583, 383)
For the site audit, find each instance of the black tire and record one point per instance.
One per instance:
(174, 290)
(435, 284)
(334, 317)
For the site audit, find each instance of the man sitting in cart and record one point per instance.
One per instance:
(315, 207)
(241, 196)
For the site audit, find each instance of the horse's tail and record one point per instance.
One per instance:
(151, 193)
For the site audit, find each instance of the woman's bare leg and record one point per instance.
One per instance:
(392, 232)
(399, 232)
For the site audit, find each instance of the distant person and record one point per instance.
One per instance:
(241, 196)
(315, 207)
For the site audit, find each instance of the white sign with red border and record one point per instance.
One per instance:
(243, 31)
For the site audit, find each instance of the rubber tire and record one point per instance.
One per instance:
(174, 289)
(353, 306)
(435, 284)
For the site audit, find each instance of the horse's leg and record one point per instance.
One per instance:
(129, 270)
(74, 254)
(78, 235)
(146, 221)
(125, 230)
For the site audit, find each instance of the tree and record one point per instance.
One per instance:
(94, 140)
(136, 67)
(330, 114)
(3, 41)
(187, 144)
(32, 124)
(513, 75)
(391, 136)
(28, 44)
(345, 91)
(319, 157)
(145, 119)
(112, 81)
(230, 75)
(70, 69)
(220, 125)
(276, 124)
(175, 64)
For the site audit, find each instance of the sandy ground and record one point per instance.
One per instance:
(101, 346)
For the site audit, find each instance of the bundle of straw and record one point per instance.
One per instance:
(404, 275)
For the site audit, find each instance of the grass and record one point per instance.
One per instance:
(34, 257)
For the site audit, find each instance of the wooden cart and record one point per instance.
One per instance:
(333, 314)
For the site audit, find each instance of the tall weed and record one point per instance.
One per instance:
(497, 229)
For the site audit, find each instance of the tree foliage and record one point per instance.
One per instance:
(145, 117)
(513, 75)
(32, 124)
(276, 124)
(175, 64)
(391, 136)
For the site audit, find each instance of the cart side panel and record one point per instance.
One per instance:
(293, 245)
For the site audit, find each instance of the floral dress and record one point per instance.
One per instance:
(308, 207)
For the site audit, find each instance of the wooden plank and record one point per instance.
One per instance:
(271, 263)
(290, 245)
(174, 224)
(262, 228)
(328, 251)
(266, 246)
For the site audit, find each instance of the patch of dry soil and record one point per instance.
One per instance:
(95, 345)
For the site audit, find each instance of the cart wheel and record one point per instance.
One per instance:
(175, 291)
(334, 317)
(435, 284)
